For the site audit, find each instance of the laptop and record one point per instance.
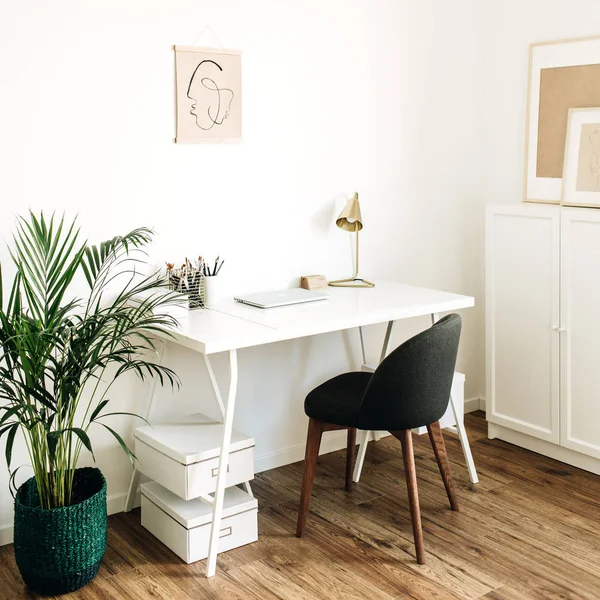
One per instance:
(281, 297)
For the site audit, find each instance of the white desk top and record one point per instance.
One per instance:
(231, 325)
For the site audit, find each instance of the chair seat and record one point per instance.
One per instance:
(338, 400)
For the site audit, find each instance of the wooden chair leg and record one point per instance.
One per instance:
(350, 457)
(413, 495)
(439, 449)
(313, 441)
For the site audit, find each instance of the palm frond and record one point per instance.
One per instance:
(57, 350)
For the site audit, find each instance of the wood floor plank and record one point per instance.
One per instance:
(281, 584)
(393, 535)
(11, 584)
(507, 593)
(337, 546)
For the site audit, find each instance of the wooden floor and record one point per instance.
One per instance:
(529, 529)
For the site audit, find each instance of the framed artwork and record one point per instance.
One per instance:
(581, 175)
(562, 75)
(209, 94)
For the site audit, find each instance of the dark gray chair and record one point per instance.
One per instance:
(410, 388)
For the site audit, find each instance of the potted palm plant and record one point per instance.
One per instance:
(60, 354)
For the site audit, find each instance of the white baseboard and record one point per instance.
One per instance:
(114, 504)
(474, 404)
(565, 455)
(336, 440)
(6, 535)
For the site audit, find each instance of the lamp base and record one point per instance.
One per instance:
(356, 282)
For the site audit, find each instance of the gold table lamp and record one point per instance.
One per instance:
(350, 219)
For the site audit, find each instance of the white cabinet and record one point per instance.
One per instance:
(543, 355)
(580, 340)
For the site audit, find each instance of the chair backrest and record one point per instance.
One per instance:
(411, 386)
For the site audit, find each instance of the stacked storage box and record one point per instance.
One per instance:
(182, 460)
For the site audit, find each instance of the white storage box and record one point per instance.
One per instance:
(184, 457)
(185, 526)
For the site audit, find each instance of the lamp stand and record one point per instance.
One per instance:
(355, 280)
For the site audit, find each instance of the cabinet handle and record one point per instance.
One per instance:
(225, 532)
(561, 329)
(215, 471)
(555, 328)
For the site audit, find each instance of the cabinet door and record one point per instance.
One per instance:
(522, 295)
(580, 331)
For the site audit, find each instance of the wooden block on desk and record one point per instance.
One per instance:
(313, 282)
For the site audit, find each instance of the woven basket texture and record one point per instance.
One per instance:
(60, 550)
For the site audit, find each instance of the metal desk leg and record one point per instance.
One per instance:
(460, 429)
(213, 547)
(464, 442)
(134, 482)
(360, 459)
(215, 386)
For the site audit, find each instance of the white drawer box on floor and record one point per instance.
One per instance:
(185, 526)
(184, 458)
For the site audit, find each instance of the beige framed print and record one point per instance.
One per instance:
(562, 75)
(581, 174)
(209, 94)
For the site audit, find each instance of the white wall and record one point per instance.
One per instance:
(509, 26)
(379, 96)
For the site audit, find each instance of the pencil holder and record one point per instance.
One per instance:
(191, 284)
(212, 290)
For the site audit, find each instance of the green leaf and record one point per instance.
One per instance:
(12, 481)
(9, 443)
(83, 436)
(127, 414)
(98, 409)
(11, 411)
(6, 428)
(122, 443)
(52, 438)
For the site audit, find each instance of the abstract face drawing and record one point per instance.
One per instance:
(210, 103)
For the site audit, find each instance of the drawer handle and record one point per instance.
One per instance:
(215, 471)
(225, 532)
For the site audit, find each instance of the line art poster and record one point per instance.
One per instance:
(209, 94)
(588, 167)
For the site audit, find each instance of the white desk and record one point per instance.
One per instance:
(230, 326)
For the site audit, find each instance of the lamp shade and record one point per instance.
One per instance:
(350, 218)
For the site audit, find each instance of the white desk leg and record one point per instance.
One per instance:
(362, 345)
(134, 482)
(213, 381)
(464, 442)
(211, 565)
(362, 450)
(360, 457)
(460, 428)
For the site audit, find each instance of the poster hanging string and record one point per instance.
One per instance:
(207, 30)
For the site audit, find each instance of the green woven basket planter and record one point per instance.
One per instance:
(60, 550)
